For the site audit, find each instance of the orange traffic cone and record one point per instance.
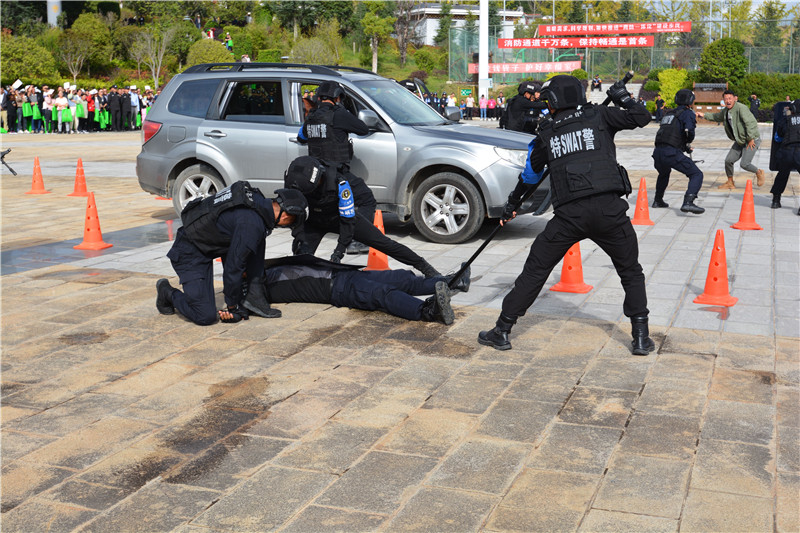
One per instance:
(80, 181)
(641, 216)
(747, 216)
(92, 236)
(37, 187)
(716, 291)
(572, 273)
(377, 260)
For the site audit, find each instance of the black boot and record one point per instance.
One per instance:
(658, 201)
(256, 301)
(641, 344)
(427, 270)
(497, 337)
(164, 298)
(356, 247)
(437, 307)
(463, 282)
(688, 205)
(776, 201)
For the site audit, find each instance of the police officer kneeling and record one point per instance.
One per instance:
(787, 133)
(232, 225)
(343, 206)
(586, 183)
(674, 137)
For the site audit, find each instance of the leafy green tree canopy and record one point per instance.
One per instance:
(723, 61)
(23, 58)
(207, 51)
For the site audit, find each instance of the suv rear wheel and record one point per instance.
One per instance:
(447, 208)
(196, 181)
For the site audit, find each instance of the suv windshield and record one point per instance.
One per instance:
(402, 106)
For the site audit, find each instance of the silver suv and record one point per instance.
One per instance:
(215, 124)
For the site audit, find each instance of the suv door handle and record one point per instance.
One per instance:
(215, 134)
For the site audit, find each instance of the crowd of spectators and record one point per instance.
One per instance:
(68, 110)
(490, 108)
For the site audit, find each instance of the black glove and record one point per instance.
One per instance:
(620, 96)
(238, 312)
(336, 256)
(508, 212)
(514, 199)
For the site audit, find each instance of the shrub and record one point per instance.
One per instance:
(672, 80)
(652, 86)
(580, 74)
(653, 74)
(723, 60)
(421, 74)
(425, 59)
(270, 55)
(207, 51)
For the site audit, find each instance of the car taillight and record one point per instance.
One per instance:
(150, 128)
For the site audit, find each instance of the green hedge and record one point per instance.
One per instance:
(270, 55)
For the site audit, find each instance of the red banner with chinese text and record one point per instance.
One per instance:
(518, 68)
(622, 27)
(578, 42)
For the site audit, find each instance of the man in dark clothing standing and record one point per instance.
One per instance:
(125, 108)
(232, 225)
(659, 108)
(787, 134)
(523, 109)
(755, 103)
(577, 145)
(114, 107)
(674, 137)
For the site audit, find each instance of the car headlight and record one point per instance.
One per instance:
(515, 157)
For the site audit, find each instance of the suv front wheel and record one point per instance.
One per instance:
(447, 208)
(196, 181)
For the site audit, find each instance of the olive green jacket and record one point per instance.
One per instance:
(745, 127)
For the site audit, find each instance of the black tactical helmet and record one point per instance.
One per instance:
(684, 97)
(528, 87)
(563, 91)
(304, 174)
(293, 202)
(795, 107)
(329, 90)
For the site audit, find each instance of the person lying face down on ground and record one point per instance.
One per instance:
(309, 279)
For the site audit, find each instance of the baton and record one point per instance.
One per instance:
(3, 160)
(528, 194)
(495, 231)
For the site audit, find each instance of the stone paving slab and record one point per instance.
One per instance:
(115, 418)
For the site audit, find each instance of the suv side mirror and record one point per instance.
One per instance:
(452, 113)
(369, 117)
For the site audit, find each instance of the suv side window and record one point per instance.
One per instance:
(193, 98)
(255, 101)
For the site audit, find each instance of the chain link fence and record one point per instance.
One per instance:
(671, 50)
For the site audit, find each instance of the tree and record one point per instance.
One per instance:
(207, 51)
(723, 60)
(576, 15)
(376, 28)
(470, 22)
(767, 32)
(312, 50)
(445, 21)
(74, 50)
(298, 15)
(494, 15)
(403, 27)
(23, 58)
(90, 27)
(137, 51)
(155, 41)
(625, 12)
(186, 34)
(19, 16)
(328, 33)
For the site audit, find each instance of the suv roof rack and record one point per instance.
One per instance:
(239, 67)
(352, 69)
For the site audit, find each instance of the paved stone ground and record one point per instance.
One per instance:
(115, 418)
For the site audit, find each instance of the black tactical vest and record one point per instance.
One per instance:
(199, 217)
(792, 131)
(670, 132)
(322, 140)
(580, 155)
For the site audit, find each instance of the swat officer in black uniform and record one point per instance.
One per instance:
(674, 137)
(345, 206)
(114, 107)
(787, 133)
(577, 144)
(523, 110)
(232, 225)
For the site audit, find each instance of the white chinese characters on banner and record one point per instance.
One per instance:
(522, 68)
